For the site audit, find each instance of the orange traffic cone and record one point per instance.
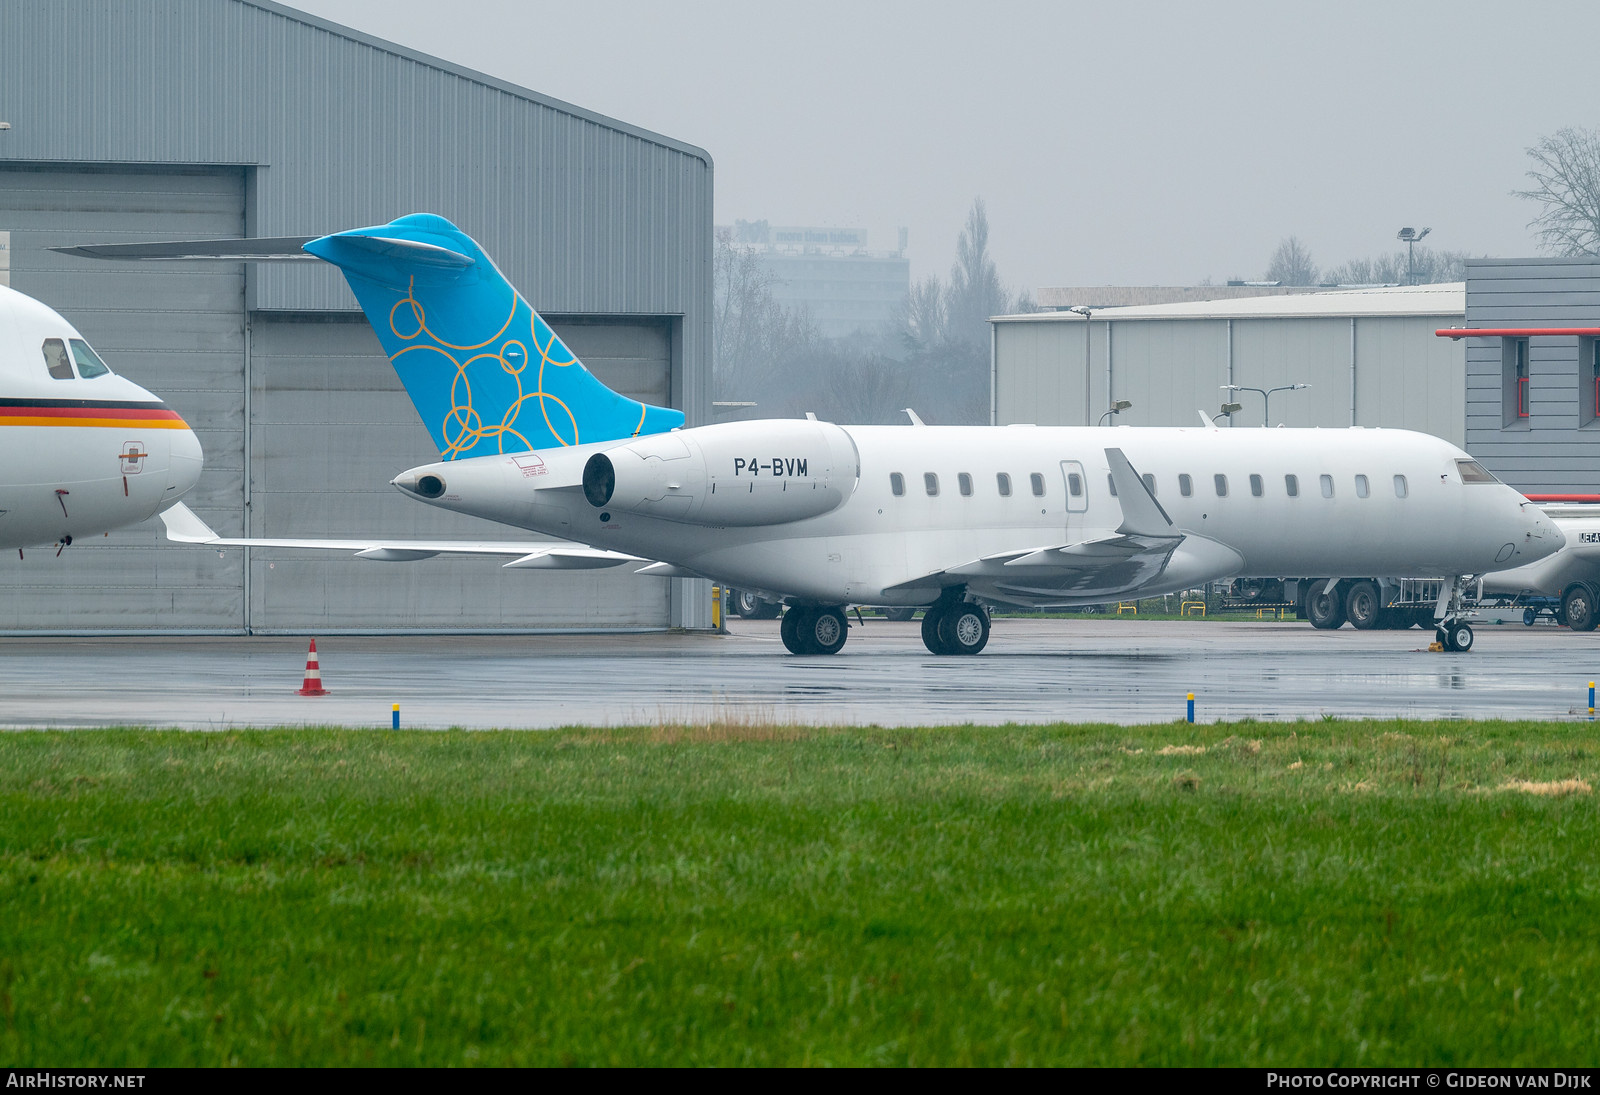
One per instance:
(313, 684)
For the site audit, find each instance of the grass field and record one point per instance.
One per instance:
(1314, 893)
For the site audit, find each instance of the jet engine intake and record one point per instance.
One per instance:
(737, 474)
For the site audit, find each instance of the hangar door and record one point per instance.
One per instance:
(176, 329)
(330, 425)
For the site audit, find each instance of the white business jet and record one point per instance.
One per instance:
(821, 516)
(82, 450)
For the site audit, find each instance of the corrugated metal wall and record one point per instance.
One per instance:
(1556, 448)
(1404, 376)
(175, 329)
(314, 128)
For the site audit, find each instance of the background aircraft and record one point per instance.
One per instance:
(82, 450)
(822, 516)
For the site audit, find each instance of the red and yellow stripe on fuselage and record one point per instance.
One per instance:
(108, 413)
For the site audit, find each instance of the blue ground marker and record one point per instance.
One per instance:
(395, 724)
(1591, 701)
(1191, 706)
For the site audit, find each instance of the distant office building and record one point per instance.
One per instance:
(830, 274)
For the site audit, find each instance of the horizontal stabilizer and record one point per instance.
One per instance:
(263, 249)
(389, 260)
(184, 526)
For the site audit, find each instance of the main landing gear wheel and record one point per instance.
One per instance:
(814, 630)
(789, 631)
(1364, 606)
(1325, 610)
(1455, 637)
(959, 628)
(964, 629)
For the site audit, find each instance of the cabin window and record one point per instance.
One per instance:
(1514, 382)
(897, 484)
(1291, 486)
(89, 363)
(1257, 487)
(1327, 485)
(1362, 489)
(930, 483)
(1074, 484)
(1588, 380)
(56, 359)
(1222, 485)
(1185, 486)
(1003, 481)
(1150, 484)
(1399, 486)
(1038, 484)
(1112, 483)
(1474, 472)
(964, 481)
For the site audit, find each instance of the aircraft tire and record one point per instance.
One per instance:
(1458, 638)
(825, 630)
(930, 629)
(751, 607)
(1578, 607)
(1363, 606)
(1325, 610)
(793, 630)
(964, 629)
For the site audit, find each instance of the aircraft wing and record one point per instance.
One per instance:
(1107, 566)
(185, 527)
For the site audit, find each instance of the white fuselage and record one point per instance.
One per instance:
(1393, 502)
(82, 450)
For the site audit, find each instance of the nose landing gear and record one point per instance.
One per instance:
(1452, 633)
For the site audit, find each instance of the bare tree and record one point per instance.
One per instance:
(1291, 264)
(923, 320)
(1566, 174)
(1391, 269)
(975, 290)
(754, 339)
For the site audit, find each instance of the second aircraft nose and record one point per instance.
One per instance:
(184, 465)
(1541, 536)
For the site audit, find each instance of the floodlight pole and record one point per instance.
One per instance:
(1266, 396)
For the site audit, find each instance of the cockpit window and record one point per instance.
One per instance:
(89, 363)
(1474, 472)
(56, 359)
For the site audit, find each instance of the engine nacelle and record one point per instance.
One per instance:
(735, 474)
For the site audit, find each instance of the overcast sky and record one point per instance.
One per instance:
(1115, 143)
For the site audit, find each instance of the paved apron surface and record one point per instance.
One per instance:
(1032, 671)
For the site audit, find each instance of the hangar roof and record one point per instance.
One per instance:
(1445, 299)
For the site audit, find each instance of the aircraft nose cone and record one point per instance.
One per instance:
(183, 470)
(1541, 534)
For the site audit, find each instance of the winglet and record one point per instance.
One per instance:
(1205, 419)
(184, 527)
(1142, 515)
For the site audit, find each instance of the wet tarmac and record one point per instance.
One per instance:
(1033, 671)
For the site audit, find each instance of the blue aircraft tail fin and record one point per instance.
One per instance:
(484, 370)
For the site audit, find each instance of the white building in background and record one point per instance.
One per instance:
(1369, 356)
(830, 274)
